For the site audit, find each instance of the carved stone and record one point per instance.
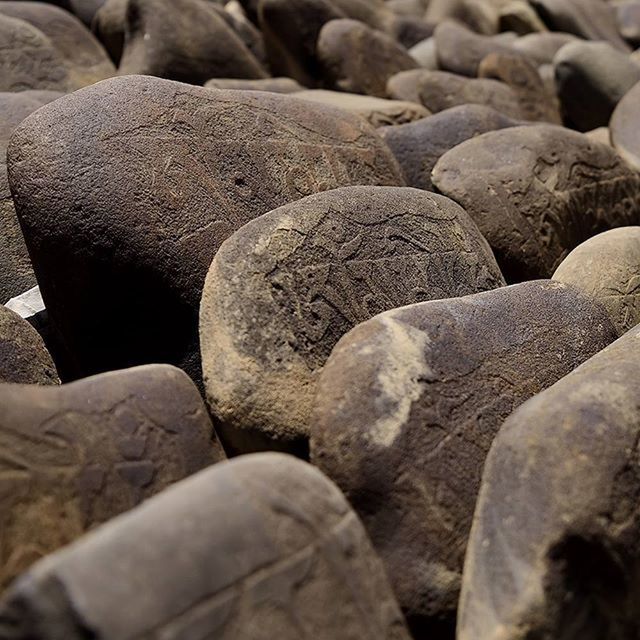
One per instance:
(408, 405)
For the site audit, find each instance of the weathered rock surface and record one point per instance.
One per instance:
(260, 547)
(23, 356)
(185, 40)
(286, 287)
(379, 112)
(625, 127)
(357, 59)
(607, 267)
(276, 85)
(124, 212)
(76, 455)
(409, 403)
(591, 78)
(419, 145)
(553, 552)
(85, 57)
(537, 192)
(16, 273)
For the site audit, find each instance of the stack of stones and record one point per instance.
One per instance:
(320, 320)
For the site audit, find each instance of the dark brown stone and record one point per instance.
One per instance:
(537, 192)
(77, 455)
(554, 550)
(23, 356)
(419, 145)
(261, 547)
(109, 26)
(125, 190)
(625, 127)
(286, 287)
(185, 40)
(520, 17)
(408, 405)
(478, 15)
(357, 59)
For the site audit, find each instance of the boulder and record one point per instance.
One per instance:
(553, 552)
(286, 287)
(537, 192)
(625, 127)
(260, 547)
(408, 405)
(135, 184)
(542, 47)
(275, 85)
(76, 455)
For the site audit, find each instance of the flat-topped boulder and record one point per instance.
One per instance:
(136, 183)
(408, 405)
(259, 547)
(286, 287)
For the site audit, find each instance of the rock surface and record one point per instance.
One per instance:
(625, 127)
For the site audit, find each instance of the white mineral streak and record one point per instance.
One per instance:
(399, 379)
(27, 304)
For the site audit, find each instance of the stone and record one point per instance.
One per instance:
(357, 59)
(519, 16)
(537, 102)
(184, 40)
(591, 78)
(459, 50)
(259, 547)
(378, 112)
(607, 267)
(628, 19)
(408, 405)
(86, 9)
(250, 35)
(542, 47)
(276, 85)
(537, 192)
(109, 26)
(478, 15)
(410, 31)
(76, 455)
(85, 57)
(601, 135)
(419, 145)
(23, 357)
(559, 493)
(126, 189)
(625, 129)
(29, 59)
(406, 85)
(440, 90)
(291, 29)
(286, 287)
(588, 19)
(424, 53)
(16, 273)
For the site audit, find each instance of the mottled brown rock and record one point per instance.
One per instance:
(537, 102)
(124, 210)
(408, 405)
(378, 112)
(625, 127)
(77, 455)
(607, 267)
(16, 273)
(537, 192)
(553, 552)
(542, 47)
(84, 55)
(440, 90)
(261, 547)
(419, 145)
(591, 78)
(29, 59)
(357, 59)
(23, 357)
(275, 85)
(291, 29)
(285, 288)
(461, 51)
(185, 40)
(588, 19)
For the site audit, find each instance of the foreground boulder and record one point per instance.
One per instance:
(606, 268)
(124, 212)
(537, 192)
(408, 405)
(554, 551)
(285, 288)
(79, 454)
(260, 547)
(625, 127)
(419, 145)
